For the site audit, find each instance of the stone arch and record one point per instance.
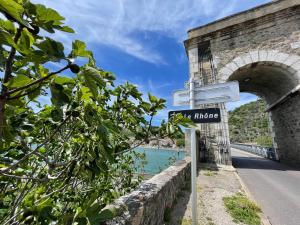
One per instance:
(274, 76)
(288, 61)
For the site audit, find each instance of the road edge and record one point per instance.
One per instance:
(264, 219)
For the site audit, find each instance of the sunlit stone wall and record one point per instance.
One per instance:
(147, 204)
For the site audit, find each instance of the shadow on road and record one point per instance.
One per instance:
(249, 162)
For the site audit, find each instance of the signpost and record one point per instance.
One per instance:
(199, 95)
(194, 157)
(216, 93)
(211, 115)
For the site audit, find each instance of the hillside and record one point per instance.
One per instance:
(249, 124)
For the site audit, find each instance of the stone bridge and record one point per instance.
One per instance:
(260, 48)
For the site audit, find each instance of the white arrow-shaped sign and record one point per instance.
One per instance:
(215, 93)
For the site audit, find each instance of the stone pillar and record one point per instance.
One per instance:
(226, 157)
(272, 131)
(216, 135)
(287, 128)
(193, 61)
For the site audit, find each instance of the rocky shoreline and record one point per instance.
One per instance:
(166, 144)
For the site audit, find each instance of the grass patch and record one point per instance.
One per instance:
(210, 173)
(186, 221)
(210, 221)
(242, 209)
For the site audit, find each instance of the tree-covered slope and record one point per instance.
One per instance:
(249, 124)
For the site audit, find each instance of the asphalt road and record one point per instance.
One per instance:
(275, 186)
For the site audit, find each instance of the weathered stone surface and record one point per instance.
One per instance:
(260, 49)
(147, 204)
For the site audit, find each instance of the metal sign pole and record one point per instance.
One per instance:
(201, 95)
(194, 157)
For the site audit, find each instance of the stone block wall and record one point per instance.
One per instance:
(147, 204)
(287, 130)
(279, 31)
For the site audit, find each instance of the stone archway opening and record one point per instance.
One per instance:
(278, 85)
(268, 80)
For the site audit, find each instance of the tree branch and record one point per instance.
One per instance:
(24, 94)
(21, 177)
(38, 81)
(7, 76)
(36, 149)
(10, 59)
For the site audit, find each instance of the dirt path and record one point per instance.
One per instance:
(213, 183)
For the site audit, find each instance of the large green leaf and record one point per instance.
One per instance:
(57, 114)
(38, 57)
(44, 211)
(2, 59)
(93, 79)
(152, 98)
(35, 92)
(85, 94)
(8, 26)
(90, 83)
(65, 29)
(79, 50)
(48, 18)
(54, 49)
(18, 81)
(40, 70)
(63, 80)
(14, 10)
(59, 95)
(7, 134)
(105, 214)
(95, 75)
(26, 41)
(47, 14)
(6, 39)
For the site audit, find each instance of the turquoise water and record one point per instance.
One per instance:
(159, 159)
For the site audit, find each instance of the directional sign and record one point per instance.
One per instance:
(181, 98)
(215, 93)
(209, 115)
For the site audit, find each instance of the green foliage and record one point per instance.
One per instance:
(210, 173)
(242, 209)
(12, 10)
(264, 141)
(180, 142)
(249, 124)
(64, 163)
(186, 221)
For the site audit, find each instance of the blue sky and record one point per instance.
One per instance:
(142, 41)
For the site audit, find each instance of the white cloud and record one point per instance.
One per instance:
(116, 22)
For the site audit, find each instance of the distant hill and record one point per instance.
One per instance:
(249, 124)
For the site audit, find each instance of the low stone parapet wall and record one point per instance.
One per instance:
(148, 204)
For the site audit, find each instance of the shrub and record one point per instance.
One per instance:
(242, 209)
